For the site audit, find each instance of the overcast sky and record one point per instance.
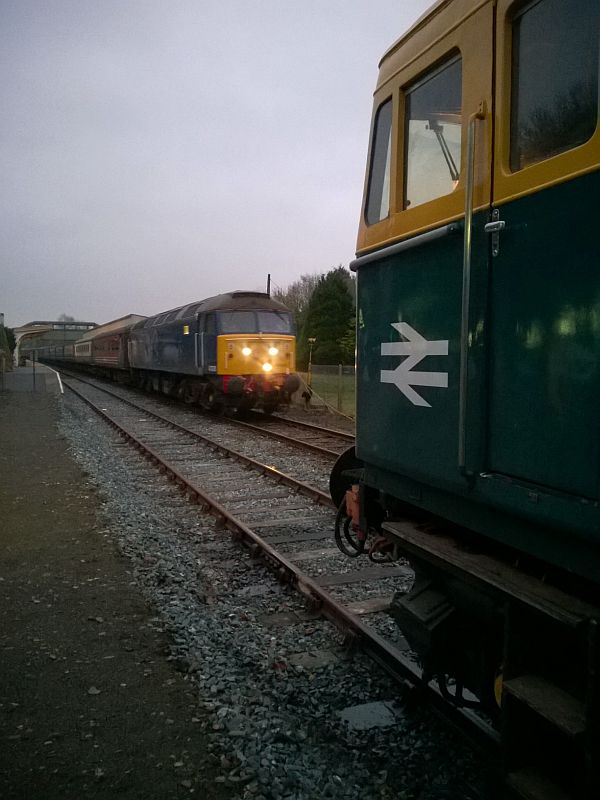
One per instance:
(153, 153)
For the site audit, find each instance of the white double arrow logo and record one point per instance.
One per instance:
(416, 348)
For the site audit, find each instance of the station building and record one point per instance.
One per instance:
(39, 334)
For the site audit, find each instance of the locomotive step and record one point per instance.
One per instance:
(529, 784)
(555, 705)
(449, 555)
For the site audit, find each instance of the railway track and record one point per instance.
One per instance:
(289, 524)
(296, 433)
(279, 441)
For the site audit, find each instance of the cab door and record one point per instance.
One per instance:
(187, 336)
(544, 369)
(206, 344)
(423, 253)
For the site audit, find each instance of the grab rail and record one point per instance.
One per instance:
(466, 286)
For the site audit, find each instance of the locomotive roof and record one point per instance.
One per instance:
(433, 23)
(237, 300)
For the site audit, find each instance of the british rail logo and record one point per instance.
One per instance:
(416, 348)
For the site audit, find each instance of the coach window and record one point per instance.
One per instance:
(554, 98)
(378, 197)
(433, 135)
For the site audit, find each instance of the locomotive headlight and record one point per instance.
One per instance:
(267, 367)
(246, 351)
(273, 351)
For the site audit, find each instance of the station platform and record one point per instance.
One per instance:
(31, 378)
(90, 704)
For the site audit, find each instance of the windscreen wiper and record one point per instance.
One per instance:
(439, 133)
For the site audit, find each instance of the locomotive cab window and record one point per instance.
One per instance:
(255, 322)
(554, 98)
(237, 322)
(378, 197)
(433, 135)
(274, 322)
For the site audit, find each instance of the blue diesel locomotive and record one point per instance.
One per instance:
(235, 350)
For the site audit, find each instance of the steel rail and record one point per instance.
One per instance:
(263, 430)
(281, 477)
(282, 437)
(350, 437)
(395, 663)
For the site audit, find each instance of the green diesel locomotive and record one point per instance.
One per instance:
(478, 369)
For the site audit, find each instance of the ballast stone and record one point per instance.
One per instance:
(366, 716)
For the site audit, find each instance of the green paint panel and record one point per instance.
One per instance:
(545, 340)
(412, 431)
(533, 388)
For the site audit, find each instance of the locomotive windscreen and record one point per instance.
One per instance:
(255, 322)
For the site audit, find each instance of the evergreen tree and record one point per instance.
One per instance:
(348, 342)
(329, 318)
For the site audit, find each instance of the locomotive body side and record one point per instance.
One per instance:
(481, 360)
(478, 365)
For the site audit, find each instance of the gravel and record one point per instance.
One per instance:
(275, 723)
(313, 469)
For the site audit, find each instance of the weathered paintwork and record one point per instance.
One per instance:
(526, 467)
(545, 341)
(170, 347)
(532, 462)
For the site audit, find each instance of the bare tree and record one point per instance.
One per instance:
(297, 295)
(570, 121)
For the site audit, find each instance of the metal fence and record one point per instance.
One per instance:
(332, 385)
